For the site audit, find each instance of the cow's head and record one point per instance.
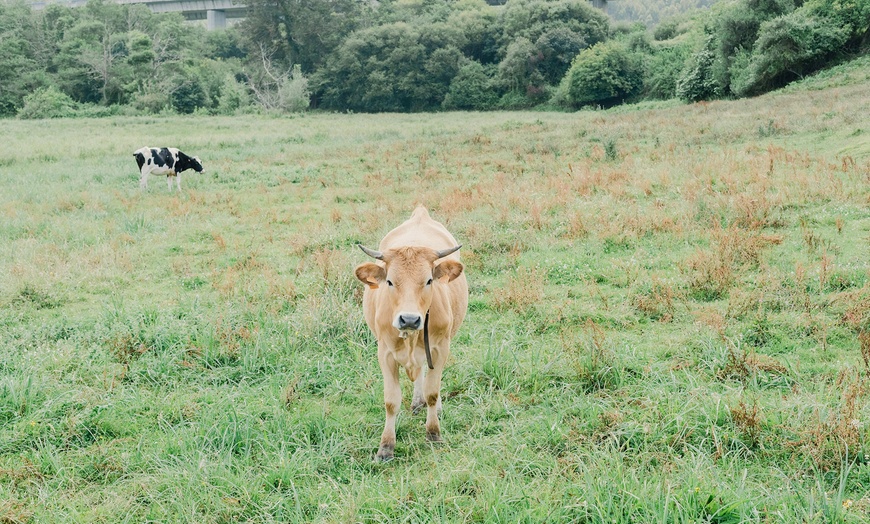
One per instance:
(408, 274)
(197, 165)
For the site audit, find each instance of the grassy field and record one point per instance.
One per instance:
(669, 317)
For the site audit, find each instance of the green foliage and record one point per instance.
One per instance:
(234, 96)
(282, 92)
(605, 74)
(292, 93)
(666, 30)
(788, 47)
(409, 62)
(557, 48)
(19, 67)
(532, 19)
(664, 68)
(472, 88)
(697, 81)
(300, 32)
(188, 95)
(140, 46)
(653, 13)
(852, 15)
(224, 45)
(47, 102)
(394, 67)
(407, 55)
(518, 71)
(481, 32)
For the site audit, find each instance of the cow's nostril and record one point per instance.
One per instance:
(409, 321)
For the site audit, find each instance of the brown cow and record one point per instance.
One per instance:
(416, 287)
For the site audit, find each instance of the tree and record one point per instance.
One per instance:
(605, 74)
(663, 69)
(530, 19)
(280, 91)
(472, 88)
(790, 46)
(557, 48)
(697, 82)
(394, 67)
(300, 32)
(47, 102)
(19, 68)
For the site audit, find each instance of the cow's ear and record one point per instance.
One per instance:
(370, 274)
(447, 270)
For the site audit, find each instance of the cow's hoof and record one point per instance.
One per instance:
(384, 455)
(434, 437)
(417, 405)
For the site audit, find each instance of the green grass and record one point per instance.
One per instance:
(667, 314)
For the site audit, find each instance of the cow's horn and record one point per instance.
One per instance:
(371, 252)
(444, 252)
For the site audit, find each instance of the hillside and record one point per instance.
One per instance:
(668, 321)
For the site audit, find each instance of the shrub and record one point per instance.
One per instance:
(293, 93)
(472, 88)
(605, 74)
(188, 96)
(514, 100)
(234, 96)
(852, 15)
(47, 102)
(663, 69)
(557, 49)
(287, 92)
(697, 81)
(666, 30)
(517, 71)
(788, 47)
(150, 101)
(99, 111)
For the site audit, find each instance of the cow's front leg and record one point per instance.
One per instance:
(418, 400)
(392, 403)
(169, 182)
(432, 393)
(178, 181)
(143, 181)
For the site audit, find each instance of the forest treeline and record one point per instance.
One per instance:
(410, 55)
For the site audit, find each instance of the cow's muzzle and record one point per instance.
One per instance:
(409, 321)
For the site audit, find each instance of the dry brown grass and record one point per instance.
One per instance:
(748, 420)
(658, 301)
(713, 271)
(831, 440)
(522, 292)
(14, 512)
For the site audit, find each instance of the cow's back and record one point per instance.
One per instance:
(420, 230)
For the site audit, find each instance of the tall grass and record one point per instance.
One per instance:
(667, 324)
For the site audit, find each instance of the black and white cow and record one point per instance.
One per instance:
(164, 161)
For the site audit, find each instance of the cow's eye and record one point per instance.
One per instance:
(429, 282)
(390, 283)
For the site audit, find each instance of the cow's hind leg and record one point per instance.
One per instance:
(392, 404)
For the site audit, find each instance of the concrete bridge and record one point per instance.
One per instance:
(214, 12)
